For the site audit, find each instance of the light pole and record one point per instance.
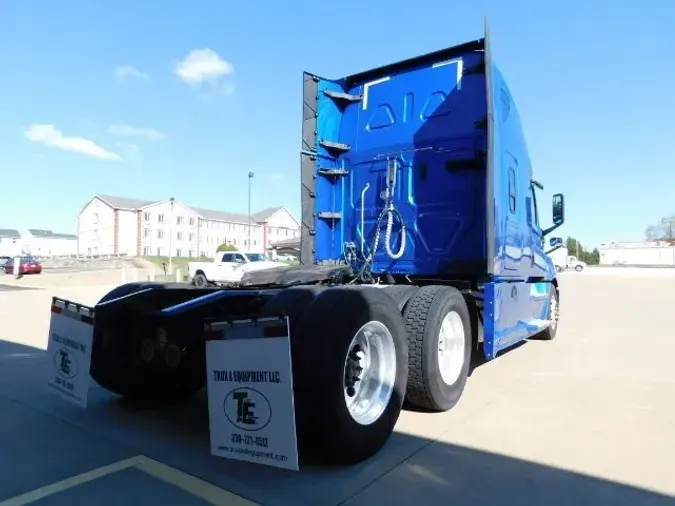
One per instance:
(171, 200)
(250, 179)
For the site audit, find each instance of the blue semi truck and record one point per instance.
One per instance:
(421, 245)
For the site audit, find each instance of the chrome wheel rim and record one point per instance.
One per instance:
(554, 311)
(369, 372)
(451, 347)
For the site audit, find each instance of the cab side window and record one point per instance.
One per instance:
(512, 190)
(533, 208)
(227, 257)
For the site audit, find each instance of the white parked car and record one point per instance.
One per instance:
(228, 267)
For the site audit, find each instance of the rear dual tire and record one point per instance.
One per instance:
(341, 420)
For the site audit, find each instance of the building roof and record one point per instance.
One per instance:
(124, 202)
(9, 233)
(48, 234)
(209, 214)
(266, 214)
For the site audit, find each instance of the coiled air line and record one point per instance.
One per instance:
(388, 212)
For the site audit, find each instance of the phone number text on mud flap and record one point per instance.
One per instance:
(68, 385)
(247, 440)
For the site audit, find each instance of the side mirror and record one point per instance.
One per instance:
(556, 243)
(558, 209)
(558, 212)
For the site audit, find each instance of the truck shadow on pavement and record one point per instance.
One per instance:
(48, 440)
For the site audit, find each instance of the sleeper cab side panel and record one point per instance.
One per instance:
(513, 311)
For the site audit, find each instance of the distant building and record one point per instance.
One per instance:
(46, 243)
(37, 242)
(653, 253)
(124, 226)
(11, 242)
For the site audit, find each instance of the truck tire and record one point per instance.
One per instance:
(440, 341)
(200, 280)
(114, 368)
(579, 268)
(553, 315)
(292, 302)
(401, 294)
(340, 421)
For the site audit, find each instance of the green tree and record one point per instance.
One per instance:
(226, 247)
(574, 247)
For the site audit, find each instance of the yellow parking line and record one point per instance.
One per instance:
(200, 488)
(73, 481)
(192, 485)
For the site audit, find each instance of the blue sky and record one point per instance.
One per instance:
(592, 80)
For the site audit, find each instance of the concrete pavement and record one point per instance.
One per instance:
(585, 419)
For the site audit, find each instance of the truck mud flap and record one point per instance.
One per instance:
(513, 312)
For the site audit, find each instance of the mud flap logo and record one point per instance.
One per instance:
(247, 409)
(65, 363)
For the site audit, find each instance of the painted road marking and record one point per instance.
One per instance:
(192, 485)
(73, 481)
(200, 488)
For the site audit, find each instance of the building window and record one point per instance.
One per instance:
(159, 252)
(146, 250)
(255, 242)
(190, 236)
(179, 220)
(146, 216)
(192, 221)
(179, 236)
(179, 252)
(234, 242)
(160, 234)
(160, 218)
(189, 253)
(146, 233)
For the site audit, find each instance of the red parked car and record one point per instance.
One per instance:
(28, 265)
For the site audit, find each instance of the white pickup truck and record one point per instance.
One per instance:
(228, 267)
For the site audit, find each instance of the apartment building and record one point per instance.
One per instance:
(119, 225)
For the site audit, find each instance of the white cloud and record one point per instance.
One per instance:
(50, 136)
(132, 153)
(204, 66)
(124, 72)
(131, 131)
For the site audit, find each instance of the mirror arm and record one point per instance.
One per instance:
(553, 249)
(550, 229)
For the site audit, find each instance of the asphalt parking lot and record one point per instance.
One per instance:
(585, 419)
